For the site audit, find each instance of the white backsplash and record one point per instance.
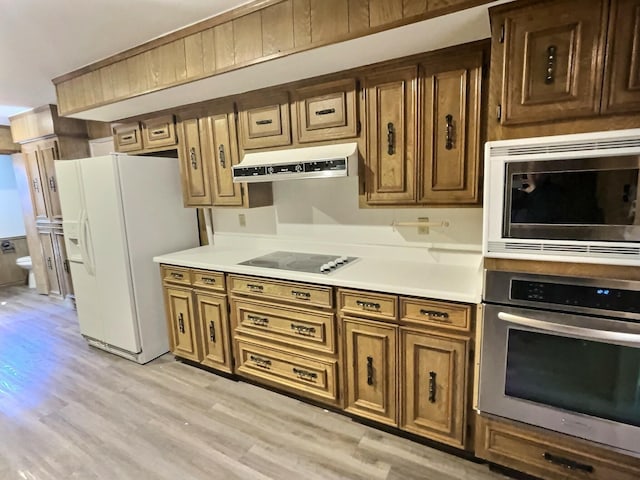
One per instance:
(327, 210)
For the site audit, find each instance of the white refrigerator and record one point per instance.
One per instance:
(119, 212)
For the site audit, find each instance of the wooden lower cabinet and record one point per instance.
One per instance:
(182, 323)
(49, 258)
(62, 263)
(549, 455)
(433, 376)
(214, 330)
(370, 352)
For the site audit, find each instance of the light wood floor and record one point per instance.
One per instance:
(69, 411)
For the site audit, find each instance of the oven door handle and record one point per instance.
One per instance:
(631, 339)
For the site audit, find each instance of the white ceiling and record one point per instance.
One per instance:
(42, 39)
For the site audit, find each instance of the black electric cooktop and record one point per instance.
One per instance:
(300, 262)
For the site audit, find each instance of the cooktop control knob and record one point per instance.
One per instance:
(270, 170)
(331, 264)
(344, 259)
(339, 260)
(325, 268)
(299, 168)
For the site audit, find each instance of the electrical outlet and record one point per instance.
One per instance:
(242, 219)
(423, 230)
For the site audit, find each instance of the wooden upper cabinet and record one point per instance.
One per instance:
(194, 171)
(49, 153)
(182, 323)
(127, 137)
(434, 378)
(159, 132)
(36, 186)
(325, 111)
(622, 75)
(449, 167)
(220, 151)
(554, 57)
(264, 121)
(370, 364)
(391, 136)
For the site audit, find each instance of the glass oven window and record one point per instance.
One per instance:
(593, 378)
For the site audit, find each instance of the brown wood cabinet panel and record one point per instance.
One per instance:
(127, 137)
(209, 51)
(301, 23)
(49, 152)
(194, 61)
(326, 111)
(138, 72)
(38, 192)
(223, 44)
(277, 28)
(451, 117)
(622, 75)
(329, 19)
(391, 136)
(542, 453)
(62, 263)
(434, 378)
(413, 7)
(382, 12)
(264, 122)
(194, 172)
(358, 15)
(247, 37)
(370, 364)
(182, 323)
(49, 258)
(159, 132)
(214, 331)
(554, 52)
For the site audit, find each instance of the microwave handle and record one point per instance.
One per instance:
(631, 339)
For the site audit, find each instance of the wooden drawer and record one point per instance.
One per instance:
(265, 124)
(207, 280)
(326, 111)
(449, 316)
(301, 293)
(159, 132)
(550, 455)
(297, 327)
(127, 137)
(366, 304)
(177, 275)
(307, 376)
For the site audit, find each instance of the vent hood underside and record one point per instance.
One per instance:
(311, 162)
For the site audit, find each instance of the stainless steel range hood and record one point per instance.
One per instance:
(312, 162)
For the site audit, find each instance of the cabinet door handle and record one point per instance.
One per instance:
(391, 139)
(258, 321)
(36, 185)
(552, 51)
(264, 122)
(49, 263)
(369, 370)
(221, 155)
(52, 184)
(126, 138)
(567, 463)
(326, 111)
(302, 295)
(177, 276)
(180, 323)
(255, 288)
(432, 387)
(208, 280)
(305, 374)
(65, 265)
(368, 305)
(158, 132)
(260, 362)
(194, 159)
(449, 132)
(212, 332)
(303, 329)
(443, 316)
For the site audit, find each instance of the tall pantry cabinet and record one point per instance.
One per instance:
(45, 139)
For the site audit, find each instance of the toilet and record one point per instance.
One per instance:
(25, 262)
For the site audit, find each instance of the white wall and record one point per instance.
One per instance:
(327, 210)
(11, 221)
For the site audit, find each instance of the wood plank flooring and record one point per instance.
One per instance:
(69, 411)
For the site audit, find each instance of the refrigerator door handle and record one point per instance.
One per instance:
(84, 242)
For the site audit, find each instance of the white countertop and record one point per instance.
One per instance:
(460, 283)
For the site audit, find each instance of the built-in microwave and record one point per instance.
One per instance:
(566, 197)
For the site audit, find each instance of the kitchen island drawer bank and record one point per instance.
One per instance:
(407, 367)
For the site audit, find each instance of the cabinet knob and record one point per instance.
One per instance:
(369, 370)
(448, 143)
(180, 323)
(552, 51)
(221, 156)
(391, 139)
(432, 387)
(194, 159)
(212, 332)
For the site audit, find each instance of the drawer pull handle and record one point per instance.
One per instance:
(126, 138)
(567, 463)
(255, 288)
(443, 316)
(158, 132)
(208, 280)
(368, 305)
(49, 263)
(221, 156)
(258, 321)
(302, 295)
(36, 185)
(448, 143)
(180, 323)
(391, 139)
(303, 330)
(551, 64)
(304, 374)
(264, 122)
(212, 332)
(369, 370)
(326, 111)
(194, 159)
(52, 184)
(432, 387)
(260, 362)
(177, 276)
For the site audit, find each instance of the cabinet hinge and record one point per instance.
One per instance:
(501, 38)
(499, 112)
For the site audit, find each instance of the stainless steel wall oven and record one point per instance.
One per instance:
(563, 353)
